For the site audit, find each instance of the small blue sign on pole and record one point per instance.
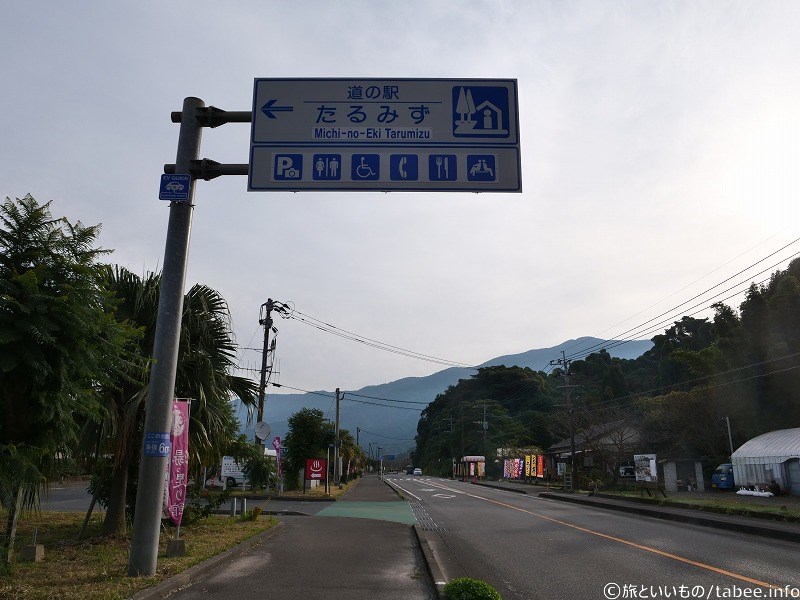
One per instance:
(156, 443)
(389, 456)
(175, 188)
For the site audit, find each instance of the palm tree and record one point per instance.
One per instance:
(206, 355)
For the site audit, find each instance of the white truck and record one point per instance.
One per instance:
(228, 475)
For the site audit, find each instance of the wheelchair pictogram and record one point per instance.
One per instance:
(365, 167)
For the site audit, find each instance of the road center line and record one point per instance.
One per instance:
(620, 540)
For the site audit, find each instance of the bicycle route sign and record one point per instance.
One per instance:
(385, 135)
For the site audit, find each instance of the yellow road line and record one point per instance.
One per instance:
(620, 540)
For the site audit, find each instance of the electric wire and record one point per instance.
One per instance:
(634, 330)
(349, 335)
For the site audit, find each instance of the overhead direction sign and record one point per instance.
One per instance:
(385, 134)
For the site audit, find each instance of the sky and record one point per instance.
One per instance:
(660, 156)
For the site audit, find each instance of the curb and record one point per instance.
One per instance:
(434, 570)
(191, 574)
(738, 525)
(439, 559)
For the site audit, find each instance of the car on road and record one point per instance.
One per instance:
(417, 471)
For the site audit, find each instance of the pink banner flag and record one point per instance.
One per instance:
(276, 443)
(178, 467)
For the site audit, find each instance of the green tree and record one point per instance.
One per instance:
(206, 355)
(58, 343)
(308, 436)
(352, 455)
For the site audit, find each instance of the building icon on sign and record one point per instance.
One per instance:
(487, 118)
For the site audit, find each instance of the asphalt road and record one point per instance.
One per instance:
(531, 548)
(70, 496)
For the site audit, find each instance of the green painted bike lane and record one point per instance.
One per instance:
(397, 511)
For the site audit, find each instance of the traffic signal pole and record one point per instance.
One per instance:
(158, 409)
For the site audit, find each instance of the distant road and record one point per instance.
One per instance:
(70, 496)
(528, 547)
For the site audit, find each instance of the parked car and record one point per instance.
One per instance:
(417, 471)
(722, 479)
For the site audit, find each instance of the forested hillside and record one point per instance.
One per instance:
(742, 364)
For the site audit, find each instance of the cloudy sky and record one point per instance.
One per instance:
(660, 156)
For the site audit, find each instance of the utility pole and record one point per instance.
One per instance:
(336, 474)
(485, 424)
(730, 438)
(462, 429)
(358, 431)
(158, 409)
(266, 321)
(452, 435)
(570, 410)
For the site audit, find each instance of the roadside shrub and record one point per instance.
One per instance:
(200, 505)
(66, 467)
(466, 588)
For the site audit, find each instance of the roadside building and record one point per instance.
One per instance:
(774, 455)
(604, 447)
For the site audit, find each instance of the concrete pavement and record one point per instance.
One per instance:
(376, 554)
(333, 556)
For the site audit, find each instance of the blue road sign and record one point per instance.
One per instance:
(481, 111)
(288, 167)
(481, 167)
(403, 167)
(365, 167)
(385, 134)
(327, 167)
(175, 188)
(442, 167)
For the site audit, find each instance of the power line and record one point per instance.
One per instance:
(349, 335)
(354, 400)
(634, 330)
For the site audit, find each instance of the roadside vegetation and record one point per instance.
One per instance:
(96, 567)
(75, 342)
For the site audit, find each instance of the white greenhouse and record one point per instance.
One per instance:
(774, 455)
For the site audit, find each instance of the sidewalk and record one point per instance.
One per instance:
(774, 529)
(330, 555)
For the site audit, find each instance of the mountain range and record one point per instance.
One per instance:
(394, 427)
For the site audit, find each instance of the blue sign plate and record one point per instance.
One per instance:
(156, 443)
(175, 188)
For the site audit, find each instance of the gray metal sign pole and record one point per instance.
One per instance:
(158, 416)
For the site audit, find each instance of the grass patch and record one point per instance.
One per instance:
(95, 568)
(726, 503)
